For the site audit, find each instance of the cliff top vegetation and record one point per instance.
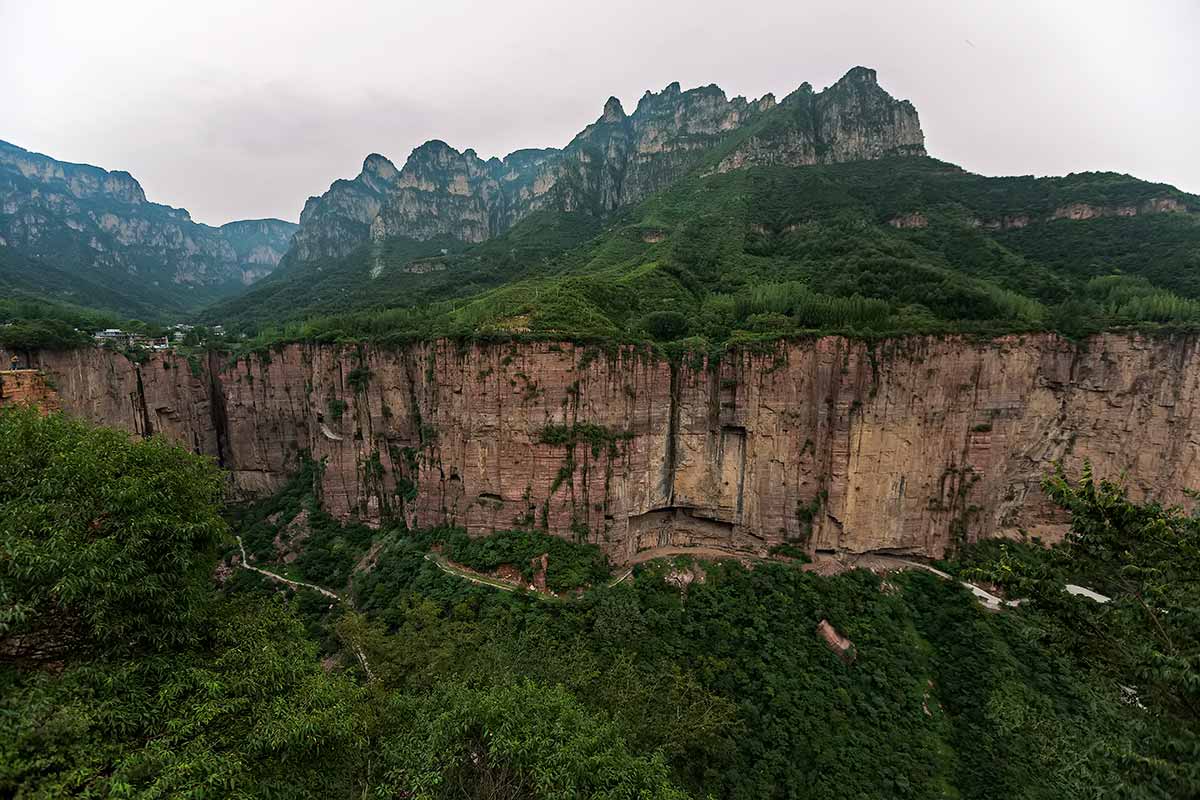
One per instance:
(874, 248)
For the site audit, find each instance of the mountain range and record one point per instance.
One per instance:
(84, 235)
(821, 211)
(616, 161)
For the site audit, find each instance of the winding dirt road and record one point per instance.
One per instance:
(358, 653)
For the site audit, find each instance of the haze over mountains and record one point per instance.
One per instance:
(82, 234)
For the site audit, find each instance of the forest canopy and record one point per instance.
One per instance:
(874, 248)
(139, 659)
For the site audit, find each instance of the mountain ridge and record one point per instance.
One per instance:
(63, 216)
(614, 162)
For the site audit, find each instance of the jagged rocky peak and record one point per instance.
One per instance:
(79, 181)
(436, 157)
(433, 151)
(673, 114)
(529, 157)
(855, 119)
(379, 171)
(669, 92)
(617, 160)
(436, 164)
(859, 75)
(613, 111)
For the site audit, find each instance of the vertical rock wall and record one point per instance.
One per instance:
(906, 446)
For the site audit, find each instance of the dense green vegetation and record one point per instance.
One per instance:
(58, 313)
(103, 542)
(28, 324)
(569, 565)
(125, 672)
(292, 522)
(292, 532)
(400, 273)
(770, 252)
(30, 278)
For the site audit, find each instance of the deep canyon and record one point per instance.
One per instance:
(904, 446)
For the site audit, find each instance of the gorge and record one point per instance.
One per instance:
(911, 445)
(734, 447)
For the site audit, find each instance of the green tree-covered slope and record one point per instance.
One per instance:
(874, 247)
(126, 672)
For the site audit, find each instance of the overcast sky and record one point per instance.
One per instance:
(243, 109)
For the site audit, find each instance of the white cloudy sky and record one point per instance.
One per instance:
(243, 109)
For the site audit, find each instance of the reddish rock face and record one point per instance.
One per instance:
(27, 387)
(907, 446)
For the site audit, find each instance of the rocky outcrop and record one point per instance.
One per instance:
(27, 387)
(842, 647)
(914, 219)
(1084, 211)
(908, 446)
(1004, 223)
(98, 224)
(853, 120)
(618, 160)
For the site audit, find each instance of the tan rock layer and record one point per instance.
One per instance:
(906, 446)
(27, 387)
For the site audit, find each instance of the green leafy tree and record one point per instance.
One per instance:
(99, 538)
(1144, 641)
(520, 740)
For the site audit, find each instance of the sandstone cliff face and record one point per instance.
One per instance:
(101, 225)
(618, 160)
(909, 446)
(27, 387)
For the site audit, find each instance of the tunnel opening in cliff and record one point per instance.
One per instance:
(682, 526)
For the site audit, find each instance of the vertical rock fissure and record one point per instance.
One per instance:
(668, 488)
(216, 411)
(147, 428)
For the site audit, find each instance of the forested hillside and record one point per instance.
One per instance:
(136, 660)
(85, 236)
(29, 322)
(893, 246)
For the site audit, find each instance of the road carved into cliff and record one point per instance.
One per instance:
(280, 579)
(467, 575)
(450, 568)
(988, 599)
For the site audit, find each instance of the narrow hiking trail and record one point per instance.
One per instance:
(474, 577)
(358, 652)
(280, 579)
(989, 600)
(450, 568)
